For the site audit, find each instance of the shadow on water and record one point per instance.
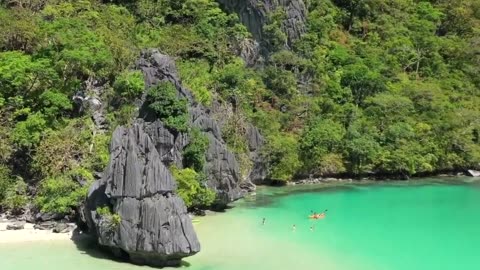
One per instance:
(87, 245)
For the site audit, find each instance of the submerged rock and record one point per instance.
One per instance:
(148, 222)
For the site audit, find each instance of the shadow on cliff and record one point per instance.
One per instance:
(87, 245)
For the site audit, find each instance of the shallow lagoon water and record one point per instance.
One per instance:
(428, 224)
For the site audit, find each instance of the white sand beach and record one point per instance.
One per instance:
(29, 234)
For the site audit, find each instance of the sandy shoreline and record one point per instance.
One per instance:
(29, 234)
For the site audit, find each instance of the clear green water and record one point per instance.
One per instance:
(418, 225)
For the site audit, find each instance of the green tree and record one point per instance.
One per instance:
(321, 138)
(362, 81)
(281, 154)
(15, 197)
(28, 133)
(59, 195)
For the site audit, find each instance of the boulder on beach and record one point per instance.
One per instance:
(45, 226)
(16, 226)
(473, 173)
(61, 228)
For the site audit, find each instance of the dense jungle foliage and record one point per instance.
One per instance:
(372, 87)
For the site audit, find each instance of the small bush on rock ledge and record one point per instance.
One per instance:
(113, 220)
(168, 107)
(191, 188)
(194, 153)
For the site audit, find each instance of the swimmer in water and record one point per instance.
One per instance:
(312, 228)
(294, 227)
(263, 221)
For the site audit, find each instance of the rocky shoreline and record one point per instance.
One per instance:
(15, 231)
(21, 223)
(371, 178)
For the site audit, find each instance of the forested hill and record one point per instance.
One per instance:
(354, 87)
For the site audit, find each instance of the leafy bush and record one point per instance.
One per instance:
(103, 211)
(59, 195)
(322, 137)
(283, 83)
(5, 181)
(129, 84)
(281, 154)
(168, 106)
(194, 152)
(28, 133)
(55, 104)
(113, 220)
(192, 189)
(16, 196)
(99, 156)
(123, 116)
(195, 77)
(331, 164)
(59, 152)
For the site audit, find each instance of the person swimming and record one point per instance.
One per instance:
(294, 228)
(312, 228)
(263, 221)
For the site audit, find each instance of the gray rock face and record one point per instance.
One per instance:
(150, 222)
(256, 141)
(61, 228)
(222, 169)
(254, 15)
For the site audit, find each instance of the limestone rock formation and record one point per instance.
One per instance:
(133, 209)
(254, 15)
(222, 169)
(148, 222)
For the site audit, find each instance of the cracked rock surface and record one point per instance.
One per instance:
(154, 227)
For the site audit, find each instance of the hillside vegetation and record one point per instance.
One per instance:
(373, 86)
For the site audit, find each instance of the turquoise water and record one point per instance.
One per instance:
(428, 225)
